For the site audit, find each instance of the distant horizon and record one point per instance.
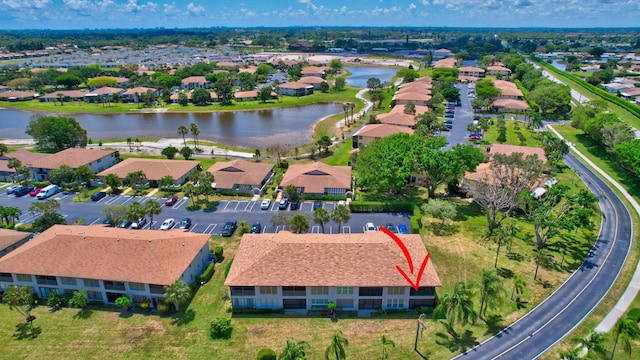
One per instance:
(169, 14)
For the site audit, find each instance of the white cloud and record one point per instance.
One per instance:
(248, 13)
(25, 4)
(195, 10)
(133, 6)
(412, 6)
(169, 9)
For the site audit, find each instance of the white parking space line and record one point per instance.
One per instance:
(346, 229)
(95, 221)
(112, 199)
(209, 229)
(315, 229)
(193, 227)
(180, 203)
(280, 228)
(148, 226)
(127, 200)
(60, 198)
(226, 205)
(250, 206)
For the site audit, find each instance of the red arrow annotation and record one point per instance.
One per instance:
(415, 285)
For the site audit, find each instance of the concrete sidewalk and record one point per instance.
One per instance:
(631, 292)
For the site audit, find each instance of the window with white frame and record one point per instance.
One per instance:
(68, 281)
(268, 290)
(344, 290)
(395, 303)
(243, 303)
(319, 290)
(24, 277)
(319, 302)
(395, 290)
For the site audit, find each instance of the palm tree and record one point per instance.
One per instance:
(594, 342)
(626, 329)
(195, 131)
(321, 216)
(205, 179)
(294, 350)
(573, 354)
(136, 211)
(14, 164)
(338, 343)
(518, 285)
(177, 293)
(299, 224)
(340, 214)
(500, 236)
(386, 341)
(457, 306)
(152, 208)
(182, 130)
(345, 108)
(352, 107)
(492, 291)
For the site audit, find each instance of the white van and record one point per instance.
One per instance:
(47, 191)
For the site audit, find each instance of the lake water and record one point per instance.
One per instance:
(250, 129)
(360, 75)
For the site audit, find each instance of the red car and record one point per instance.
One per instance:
(35, 192)
(171, 201)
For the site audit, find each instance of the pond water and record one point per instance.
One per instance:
(360, 75)
(291, 126)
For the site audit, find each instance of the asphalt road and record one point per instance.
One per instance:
(549, 322)
(462, 118)
(203, 222)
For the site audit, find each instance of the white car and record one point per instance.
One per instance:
(370, 227)
(265, 204)
(168, 224)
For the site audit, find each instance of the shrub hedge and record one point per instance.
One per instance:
(206, 275)
(379, 206)
(218, 251)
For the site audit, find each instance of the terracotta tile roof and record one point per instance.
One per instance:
(471, 69)
(10, 237)
(465, 78)
(286, 259)
(511, 104)
(250, 69)
(449, 62)
(226, 64)
(69, 93)
(397, 118)
(17, 94)
(317, 177)
(423, 80)
(106, 90)
(311, 80)
(239, 172)
(74, 158)
(139, 90)
(294, 85)
(194, 79)
(420, 109)
(382, 130)
(312, 70)
(510, 149)
(26, 158)
(154, 169)
(508, 88)
(498, 68)
(411, 95)
(95, 252)
(246, 94)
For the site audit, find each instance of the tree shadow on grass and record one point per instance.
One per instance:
(504, 272)
(183, 318)
(494, 324)
(456, 342)
(26, 331)
(83, 314)
(444, 230)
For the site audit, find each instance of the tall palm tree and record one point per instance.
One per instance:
(336, 348)
(195, 131)
(500, 236)
(626, 329)
(205, 180)
(386, 341)
(492, 292)
(152, 208)
(457, 306)
(299, 224)
(182, 131)
(294, 350)
(594, 342)
(345, 108)
(518, 285)
(352, 107)
(136, 211)
(321, 216)
(177, 293)
(340, 214)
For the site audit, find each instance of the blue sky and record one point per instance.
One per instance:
(97, 14)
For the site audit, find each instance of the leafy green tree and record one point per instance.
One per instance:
(299, 224)
(10, 214)
(374, 83)
(339, 84)
(84, 175)
(136, 178)
(183, 99)
(14, 164)
(595, 344)
(177, 293)
(456, 306)
(501, 237)
(63, 175)
(220, 328)
(80, 299)
(135, 211)
(166, 181)
(428, 124)
(626, 330)
(266, 354)
(377, 97)
(265, 94)
(200, 97)
(335, 65)
(56, 133)
(123, 302)
(552, 98)
(3, 149)
(20, 299)
(407, 75)
(321, 216)
(325, 87)
(324, 143)
(114, 182)
(386, 342)
(152, 208)
(102, 81)
(170, 152)
(337, 347)
(44, 207)
(186, 152)
(340, 214)
(492, 292)
(486, 90)
(68, 80)
(224, 90)
(204, 184)
(115, 213)
(292, 192)
(294, 350)
(440, 209)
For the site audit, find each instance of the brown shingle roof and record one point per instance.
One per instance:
(154, 169)
(239, 172)
(317, 177)
(286, 259)
(74, 158)
(411, 96)
(511, 104)
(69, 93)
(508, 88)
(510, 149)
(311, 80)
(449, 62)
(382, 130)
(294, 85)
(26, 158)
(96, 252)
(10, 237)
(106, 90)
(312, 70)
(139, 90)
(420, 109)
(397, 118)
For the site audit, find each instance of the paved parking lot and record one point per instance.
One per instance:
(205, 222)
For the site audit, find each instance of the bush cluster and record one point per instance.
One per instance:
(378, 206)
(220, 328)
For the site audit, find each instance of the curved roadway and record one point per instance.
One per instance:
(555, 317)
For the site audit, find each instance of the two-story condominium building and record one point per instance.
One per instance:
(319, 179)
(471, 71)
(133, 95)
(301, 272)
(96, 160)
(370, 132)
(24, 156)
(498, 70)
(241, 175)
(313, 71)
(153, 169)
(194, 82)
(107, 262)
(296, 88)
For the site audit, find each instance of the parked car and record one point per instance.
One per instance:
(11, 189)
(124, 224)
(107, 222)
(402, 229)
(168, 224)
(35, 192)
(391, 228)
(229, 228)
(184, 224)
(449, 115)
(450, 110)
(97, 196)
(256, 228)
(475, 137)
(139, 224)
(171, 201)
(22, 191)
(370, 227)
(284, 203)
(317, 204)
(448, 121)
(295, 204)
(47, 192)
(265, 204)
